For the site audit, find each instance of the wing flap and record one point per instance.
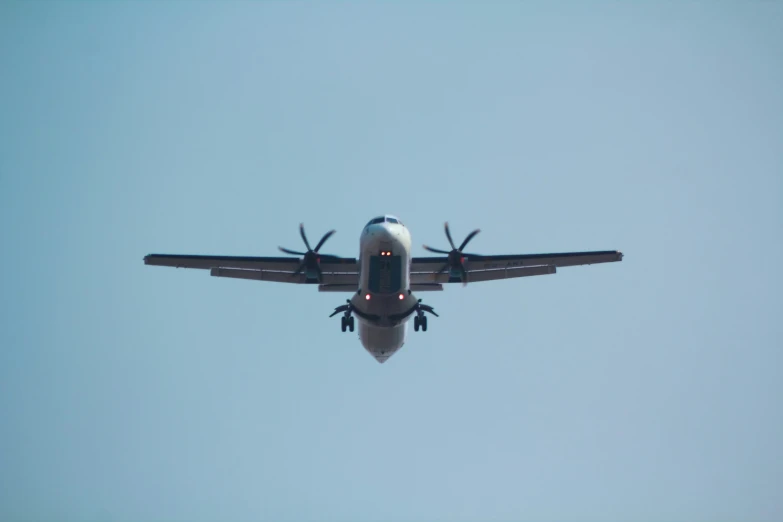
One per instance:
(337, 288)
(258, 275)
(426, 287)
(351, 280)
(508, 273)
(484, 275)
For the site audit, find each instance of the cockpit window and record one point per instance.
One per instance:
(387, 219)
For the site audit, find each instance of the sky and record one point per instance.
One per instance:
(636, 391)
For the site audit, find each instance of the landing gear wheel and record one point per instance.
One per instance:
(416, 323)
(350, 323)
(424, 323)
(343, 323)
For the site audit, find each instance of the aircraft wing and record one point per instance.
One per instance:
(474, 276)
(336, 270)
(488, 268)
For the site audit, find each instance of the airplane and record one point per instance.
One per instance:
(385, 279)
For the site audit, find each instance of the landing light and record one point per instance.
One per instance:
(402, 296)
(367, 297)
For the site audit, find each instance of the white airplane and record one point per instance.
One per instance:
(384, 278)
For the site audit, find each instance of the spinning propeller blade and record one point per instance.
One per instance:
(311, 258)
(455, 255)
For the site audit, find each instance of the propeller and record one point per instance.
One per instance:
(310, 259)
(456, 255)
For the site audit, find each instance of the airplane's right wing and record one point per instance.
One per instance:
(436, 269)
(483, 275)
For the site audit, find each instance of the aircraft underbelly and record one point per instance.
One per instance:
(382, 342)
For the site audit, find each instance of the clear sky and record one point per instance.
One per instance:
(647, 390)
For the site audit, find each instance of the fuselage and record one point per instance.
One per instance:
(383, 299)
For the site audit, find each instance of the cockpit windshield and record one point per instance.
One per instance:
(384, 219)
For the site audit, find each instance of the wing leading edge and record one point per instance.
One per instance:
(342, 271)
(279, 264)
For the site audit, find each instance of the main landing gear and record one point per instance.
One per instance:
(347, 320)
(347, 323)
(420, 320)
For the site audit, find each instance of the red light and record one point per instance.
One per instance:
(367, 297)
(402, 297)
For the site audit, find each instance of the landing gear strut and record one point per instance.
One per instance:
(347, 320)
(420, 320)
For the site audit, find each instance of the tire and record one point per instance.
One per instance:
(350, 323)
(342, 323)
(416, 323)
(424, 323)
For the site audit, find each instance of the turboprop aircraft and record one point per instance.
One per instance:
(384, 281)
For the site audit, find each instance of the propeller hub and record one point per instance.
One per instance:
(455, 258)
(311, 259)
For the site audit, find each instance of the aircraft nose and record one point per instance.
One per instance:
(385, 230)
(382, 233)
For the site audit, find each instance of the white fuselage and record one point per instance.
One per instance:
(384, 265)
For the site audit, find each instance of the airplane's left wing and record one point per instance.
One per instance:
(336, 270)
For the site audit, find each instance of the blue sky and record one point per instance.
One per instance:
(636, 391)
